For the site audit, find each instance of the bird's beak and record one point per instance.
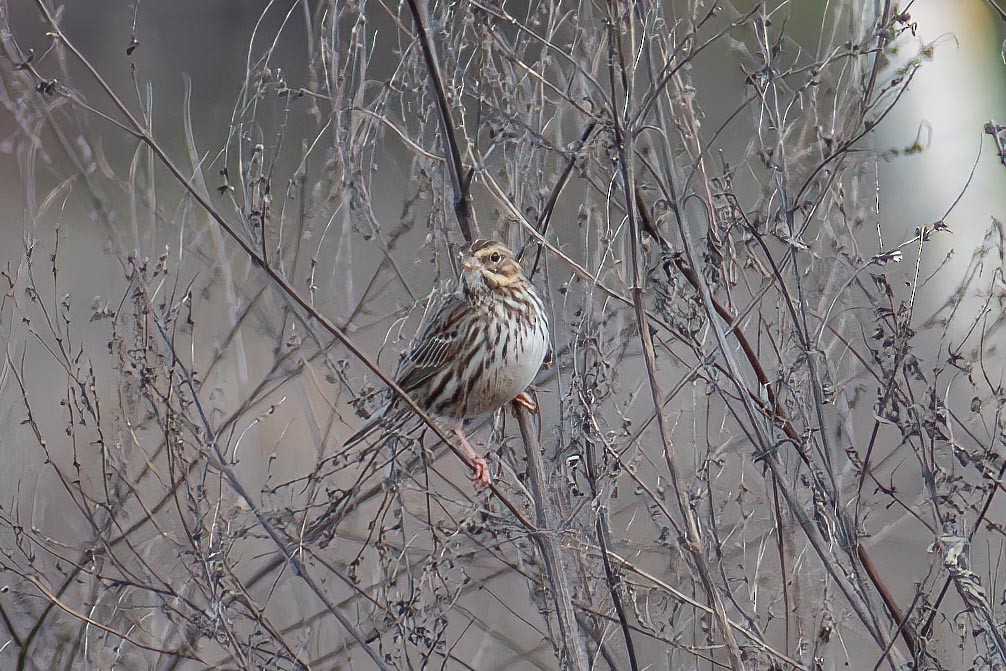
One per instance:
(469, 263)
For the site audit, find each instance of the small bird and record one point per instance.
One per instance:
(482, 347)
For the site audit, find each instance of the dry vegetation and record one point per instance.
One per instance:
(746, 431)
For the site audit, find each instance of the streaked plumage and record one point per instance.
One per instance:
(481, 348)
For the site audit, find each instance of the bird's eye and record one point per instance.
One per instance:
(495, 257)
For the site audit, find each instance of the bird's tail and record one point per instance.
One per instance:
(373, 423)
(388, 421)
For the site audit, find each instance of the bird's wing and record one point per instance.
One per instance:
(437, 346)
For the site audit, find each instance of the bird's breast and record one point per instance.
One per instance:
(516, 340)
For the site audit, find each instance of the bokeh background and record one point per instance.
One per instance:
(193, 67)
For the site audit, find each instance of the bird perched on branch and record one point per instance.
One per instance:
(481, 348)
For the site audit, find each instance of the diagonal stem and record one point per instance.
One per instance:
(462, 208)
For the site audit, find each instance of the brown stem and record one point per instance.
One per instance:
(775, 411)
(547, 519)
(462, 209)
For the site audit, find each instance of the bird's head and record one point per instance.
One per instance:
(491, 265)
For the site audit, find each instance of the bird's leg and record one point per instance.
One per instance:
(481, 475)
(525, 401)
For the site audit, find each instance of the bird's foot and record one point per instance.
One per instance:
(480, 475)
(525, 401)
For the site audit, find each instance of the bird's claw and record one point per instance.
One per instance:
(481, 475)
(525, 401)
(481, 470)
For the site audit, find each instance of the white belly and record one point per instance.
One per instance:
(523, 349)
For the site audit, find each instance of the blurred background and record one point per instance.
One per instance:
(943, 111)
(359, 221)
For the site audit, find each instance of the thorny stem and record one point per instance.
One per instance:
(771, 406)
(624, 146)
(281, 282)
(140, 132)
(775, 412)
